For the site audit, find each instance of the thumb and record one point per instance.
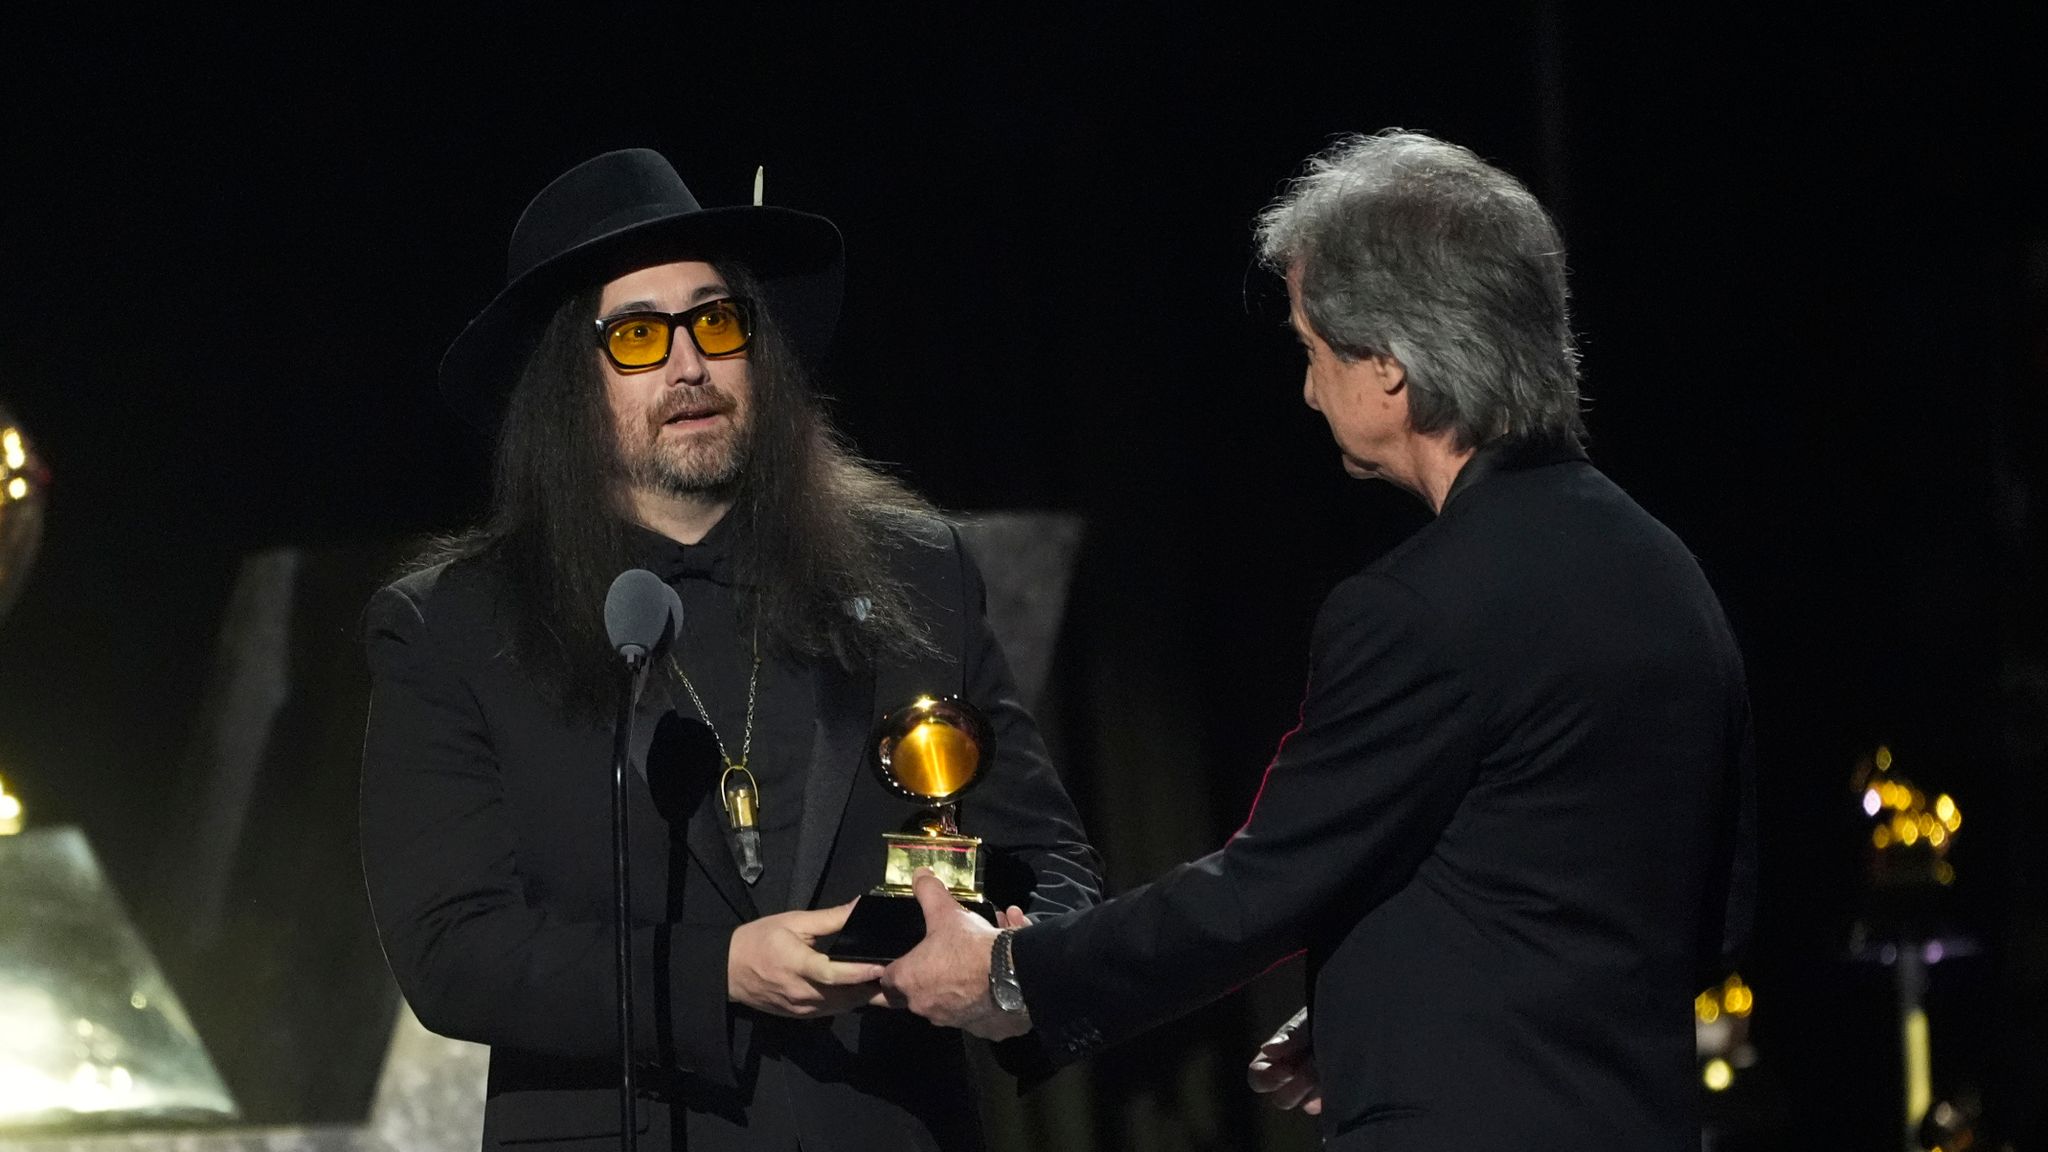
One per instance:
(933, 896)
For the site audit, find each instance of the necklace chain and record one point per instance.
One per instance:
(747, 736)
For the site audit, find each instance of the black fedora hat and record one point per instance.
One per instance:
(617, 213)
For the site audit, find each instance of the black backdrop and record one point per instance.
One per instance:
(1811, 272)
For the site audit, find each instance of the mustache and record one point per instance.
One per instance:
(695, 403)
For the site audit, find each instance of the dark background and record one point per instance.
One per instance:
(1810, 262)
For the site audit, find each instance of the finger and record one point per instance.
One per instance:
(1285, 1045)
(1266, 1075)
(1292, 1093)
(1274, 1071)
(1012, 917)
(932, 895)
(1292, 1037)
(833, 1000)
(815, 922)
(819, 968)
(1313, 1105)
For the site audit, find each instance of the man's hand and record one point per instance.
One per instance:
(1286, 1067)
(771, 965)
(945, 978)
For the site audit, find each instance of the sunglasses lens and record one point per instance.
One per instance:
(637, 341)
(723, 328)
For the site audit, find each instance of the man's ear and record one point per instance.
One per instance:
(1389, 374)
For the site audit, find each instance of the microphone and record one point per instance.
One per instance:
(641, 615)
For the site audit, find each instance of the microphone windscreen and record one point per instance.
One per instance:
(640, 612)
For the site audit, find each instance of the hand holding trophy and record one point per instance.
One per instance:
(929, 751)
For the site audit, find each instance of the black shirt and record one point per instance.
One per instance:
(716, 653)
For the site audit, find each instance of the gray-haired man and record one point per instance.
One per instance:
(1506, 829)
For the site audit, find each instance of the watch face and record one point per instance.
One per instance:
(1009, 997)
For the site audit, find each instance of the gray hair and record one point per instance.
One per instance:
(1416, 249)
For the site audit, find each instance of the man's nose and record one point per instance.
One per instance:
(1308, 391)
(686, 366)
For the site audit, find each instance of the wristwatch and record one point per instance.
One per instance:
(1002, 974)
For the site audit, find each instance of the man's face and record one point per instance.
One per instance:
(1364, 401)
(682, 426)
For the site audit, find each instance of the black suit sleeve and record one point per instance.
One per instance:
(1351, 805)
(1731, 903)
(1042, 860)
(474, 958)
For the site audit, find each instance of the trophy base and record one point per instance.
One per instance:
(886, 924)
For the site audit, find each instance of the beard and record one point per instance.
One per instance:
(709, 462)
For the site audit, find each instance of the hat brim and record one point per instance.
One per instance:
(797, 257)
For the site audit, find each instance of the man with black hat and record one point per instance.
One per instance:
(644, 372)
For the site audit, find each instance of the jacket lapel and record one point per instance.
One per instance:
(846, 704)
(706, 839)
(704, 832)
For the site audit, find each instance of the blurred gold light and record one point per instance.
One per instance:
(10, 812)
(1738, 999)
(17, 488)
(1884, 758)
(1908, 830)
(1881, 836)
(1919, 1074)
(17, 452)
(1717, 1075)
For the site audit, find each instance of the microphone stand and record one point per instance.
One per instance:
(622, 930)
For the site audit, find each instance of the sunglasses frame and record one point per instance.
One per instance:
(684, 321)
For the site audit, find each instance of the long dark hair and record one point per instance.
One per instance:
(814, 524)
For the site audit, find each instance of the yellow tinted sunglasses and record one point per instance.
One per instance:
(637, 341)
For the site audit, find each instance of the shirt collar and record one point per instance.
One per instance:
(708, 559)
(1511, 456)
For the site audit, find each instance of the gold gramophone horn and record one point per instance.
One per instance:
(933, 749)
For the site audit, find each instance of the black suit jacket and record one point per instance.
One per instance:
(1503, 833)
(486, 846)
